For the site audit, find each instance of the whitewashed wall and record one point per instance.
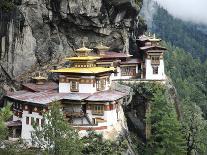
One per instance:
(149, 71)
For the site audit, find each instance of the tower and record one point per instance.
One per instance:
(151, 54)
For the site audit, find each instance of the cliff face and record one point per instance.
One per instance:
(40, 31)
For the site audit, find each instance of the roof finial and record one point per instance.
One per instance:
(83, 43)
(154, 36)
(149, 34)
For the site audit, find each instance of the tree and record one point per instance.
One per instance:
(5, 114)
(56, 136)
(166, 138)
(194, 128)
(7, 5)
(94, 144)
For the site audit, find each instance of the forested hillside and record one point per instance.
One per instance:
(185, 35)
(186, 65)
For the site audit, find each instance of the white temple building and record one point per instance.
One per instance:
(84, 89)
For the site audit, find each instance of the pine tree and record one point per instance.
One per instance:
(56, 136)
(166, 138)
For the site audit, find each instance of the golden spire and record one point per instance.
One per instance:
(102, 47)
(83, 51)
(39, 79)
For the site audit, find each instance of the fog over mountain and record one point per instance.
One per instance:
(188, 10)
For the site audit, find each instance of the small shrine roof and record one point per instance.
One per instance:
(89, 70)
(83, 49)
(143, 38)
(110, 95)
(131, 61)
(102, 47)
(39, 88)
(39, 78)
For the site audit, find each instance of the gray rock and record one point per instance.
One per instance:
(39, 31)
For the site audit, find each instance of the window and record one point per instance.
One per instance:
(100, 84)
(155, 69)
(30, 110)
(155, 60)
(27, 120)
(128, 71)
(42, 122)
(37, 121)
(20, 114)
(32, 120)
(74, 86)
(97, 109)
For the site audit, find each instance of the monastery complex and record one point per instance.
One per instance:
(84, 89)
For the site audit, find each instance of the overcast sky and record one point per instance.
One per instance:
(188, 10)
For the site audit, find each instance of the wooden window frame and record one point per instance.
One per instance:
(155, 70)
(74, 88)
(27, 120)
(42, 121)
(97, 109)
(37, 121)
(32, 121)
(101, 84)
(128, 71)
(155, 60)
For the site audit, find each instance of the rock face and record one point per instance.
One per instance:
(40, 31)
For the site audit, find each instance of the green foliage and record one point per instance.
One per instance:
(181, 34)
(188, 75)
(194, 128)
(56, 136)
(190, 79)
(5, 114)
(166, 138)
(139, 3)
(7, 5)
(94, 144)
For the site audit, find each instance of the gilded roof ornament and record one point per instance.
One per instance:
(83, 49)
(102, 47)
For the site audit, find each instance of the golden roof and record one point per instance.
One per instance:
(102, 47)
(83, 58)
(91, 70)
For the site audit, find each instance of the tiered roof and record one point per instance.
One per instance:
(84, 57)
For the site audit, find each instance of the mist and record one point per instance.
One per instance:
(188, 10)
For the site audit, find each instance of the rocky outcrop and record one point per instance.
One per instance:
(40, 31)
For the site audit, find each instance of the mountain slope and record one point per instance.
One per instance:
(182, 34)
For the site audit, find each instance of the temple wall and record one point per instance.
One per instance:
(110, 116)
(149, 71)
(64, 87)
(87, 88)
(27, 128)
